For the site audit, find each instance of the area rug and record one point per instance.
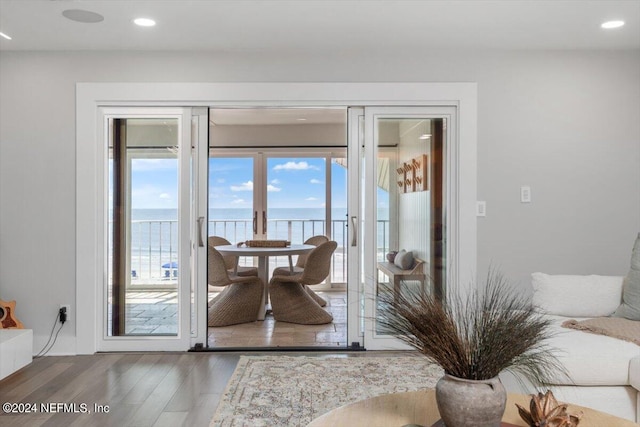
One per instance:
(294, 390)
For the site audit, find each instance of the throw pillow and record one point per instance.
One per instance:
(404, 260)
(630, 307)
(576, 296)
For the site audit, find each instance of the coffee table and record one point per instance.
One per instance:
(419, 407)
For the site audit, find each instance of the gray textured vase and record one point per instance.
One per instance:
(466, 403)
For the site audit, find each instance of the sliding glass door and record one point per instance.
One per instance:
(268, 195)
(150, 223)
(405, 192)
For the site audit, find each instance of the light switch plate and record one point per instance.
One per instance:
(525, 194)
(481, 208)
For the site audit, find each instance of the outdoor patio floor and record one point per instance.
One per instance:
(155, 312)
(271, 333)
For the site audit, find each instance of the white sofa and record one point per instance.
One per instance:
(604, 372)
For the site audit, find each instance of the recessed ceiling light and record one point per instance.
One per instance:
(5, 36)
(83, 16)
(612, 24)
(144, 22)
(301, 119)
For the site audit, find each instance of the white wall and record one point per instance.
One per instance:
(565, 123)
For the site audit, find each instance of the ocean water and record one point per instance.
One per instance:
(154, 233)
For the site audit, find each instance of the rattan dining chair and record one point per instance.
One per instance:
(241, 299)
(290, 300)
(299, 267)
(230, 261)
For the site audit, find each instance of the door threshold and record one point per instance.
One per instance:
(327, 349)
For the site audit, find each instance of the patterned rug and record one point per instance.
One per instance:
(293, 390)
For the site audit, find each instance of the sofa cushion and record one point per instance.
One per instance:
(634, 372)
(630, 307)
(576, 296)
(584, 356)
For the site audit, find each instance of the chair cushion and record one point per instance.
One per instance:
(630, 307)
(576, 296)
(404, 259)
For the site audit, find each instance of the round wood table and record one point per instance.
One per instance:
(419, 407)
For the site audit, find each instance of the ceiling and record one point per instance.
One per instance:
(317, 26)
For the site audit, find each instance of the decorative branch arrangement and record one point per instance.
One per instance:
(475, 336)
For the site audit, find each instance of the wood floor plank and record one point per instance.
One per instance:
(19, 392)
(140, 389)
(151, 409)
(171, 419)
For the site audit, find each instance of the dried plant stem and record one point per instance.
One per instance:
(475, 336)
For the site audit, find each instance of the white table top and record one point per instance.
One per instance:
(258, 251)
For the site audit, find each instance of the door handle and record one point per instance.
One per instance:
(200, 227)
(264, 222)
(255, 222)
(354, 231)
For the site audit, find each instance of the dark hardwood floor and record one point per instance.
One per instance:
(139, 389)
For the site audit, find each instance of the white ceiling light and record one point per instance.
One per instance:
(612, 24)
(5, 36)
(83, 16)
(144, 22)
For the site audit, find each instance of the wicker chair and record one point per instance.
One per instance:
(241, 299)
(299, 267)
(290, 300)
(231, 261)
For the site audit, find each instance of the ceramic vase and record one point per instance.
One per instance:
(466, 403)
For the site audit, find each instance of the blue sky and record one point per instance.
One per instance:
(291, 183)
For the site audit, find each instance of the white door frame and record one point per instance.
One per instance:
(185, 141)
(372, 340)
(91, 96)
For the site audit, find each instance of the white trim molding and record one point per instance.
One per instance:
(90, 97)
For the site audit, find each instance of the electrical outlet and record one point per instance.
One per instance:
(67, 308)
(525, 194)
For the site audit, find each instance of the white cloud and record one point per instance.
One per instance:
(221, 180)
(245, 186)
(311, 199)
(273, 188)
(149, 196)
(237, 201)
(315, 181)
(294, 166)
(275, 181)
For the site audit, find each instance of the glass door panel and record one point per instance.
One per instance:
(407, 167)
(231, 198)
(296, 201)
(144, 237)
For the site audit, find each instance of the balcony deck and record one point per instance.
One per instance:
(155, 312)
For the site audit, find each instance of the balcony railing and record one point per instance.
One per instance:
(154, 244)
